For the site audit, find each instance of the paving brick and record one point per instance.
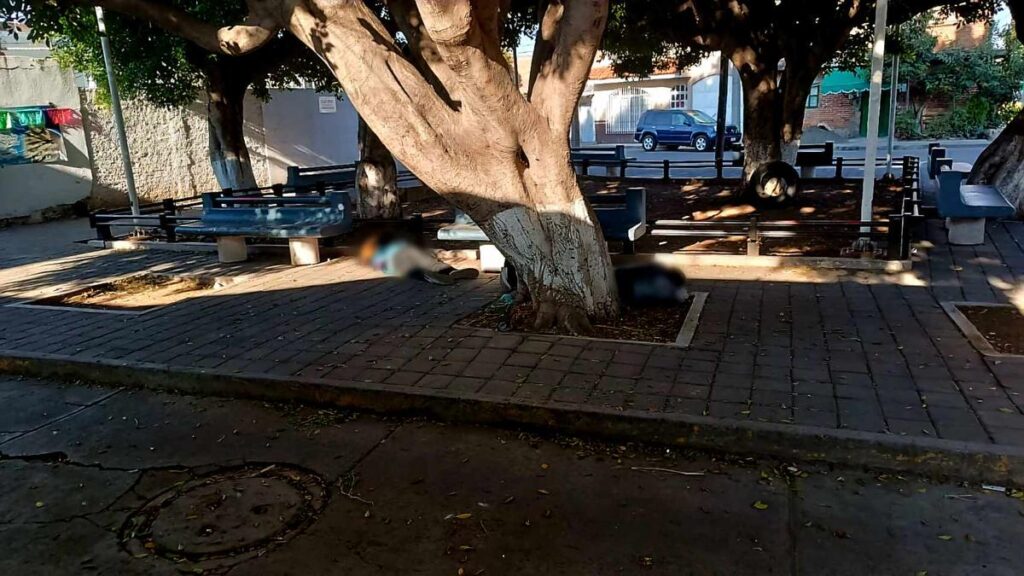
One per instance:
(726, 394)
(690, 406)
(570, 395)
(499, 388)
(435, 381)
(466, 384)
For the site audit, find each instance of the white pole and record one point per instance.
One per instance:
(115, 105)
(894, 85)
(874, 113)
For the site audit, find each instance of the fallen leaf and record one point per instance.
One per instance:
(543, 491)
(945, 537)
(464, 516)
(39, 504)
(759, 505)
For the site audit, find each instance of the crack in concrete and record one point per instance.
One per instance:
(73, 413)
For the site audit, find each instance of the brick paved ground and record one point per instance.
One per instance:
(831, 350)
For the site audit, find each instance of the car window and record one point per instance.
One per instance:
(702, 117)
(679, 119)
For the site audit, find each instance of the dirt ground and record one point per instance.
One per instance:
(136, 293)
(638, 324)
(1002, 326)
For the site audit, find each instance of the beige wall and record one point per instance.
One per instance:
(38, 191)
(169, 149)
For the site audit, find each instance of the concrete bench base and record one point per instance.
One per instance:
(966, 231)
(232, 249)
(304, 251)
(491, 259)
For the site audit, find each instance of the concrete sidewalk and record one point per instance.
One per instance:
(812, 364)
(101, 481)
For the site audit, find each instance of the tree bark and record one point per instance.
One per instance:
(453, 115)
(376, 178)
(229, 155)
(1002, 163)
(761, 118)
(795, 88)
(460, 123)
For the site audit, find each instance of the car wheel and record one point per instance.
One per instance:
(700, 143)
(774, 184)
(649, 142)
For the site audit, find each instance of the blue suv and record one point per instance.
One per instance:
(676, 127)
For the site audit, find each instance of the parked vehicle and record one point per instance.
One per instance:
(676, 127)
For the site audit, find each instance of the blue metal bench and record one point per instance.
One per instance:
(622, 216)
(610, 158)
(966, 206)
(302, 219)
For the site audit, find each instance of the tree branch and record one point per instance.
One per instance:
(569, 35)
(362, 54)
(259, 27)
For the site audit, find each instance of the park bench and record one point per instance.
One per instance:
(622, 216)
(937, 160)
(341, 176)
(811, 156)
(966, 206)
(302, 219)
(610, 158)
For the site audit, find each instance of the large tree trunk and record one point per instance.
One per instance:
(761, 118)
(452, 114)
(1002, 163)
(229, 156)
(376, 178)
(795, 88)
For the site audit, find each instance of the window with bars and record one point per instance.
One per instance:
(680, 94)
(625, 108)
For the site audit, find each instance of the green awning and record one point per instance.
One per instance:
(843, 82)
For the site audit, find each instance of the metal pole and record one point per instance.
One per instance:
(115, 104)
(723, 97)
(874, 113)
(894, 85)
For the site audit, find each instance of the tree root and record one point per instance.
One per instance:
(565, 317)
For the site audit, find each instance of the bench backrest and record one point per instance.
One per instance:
(948, 199)
(935, 156)
(620, 212)
(344, 175)
(816, 154)
(332, 208)
(619, 153)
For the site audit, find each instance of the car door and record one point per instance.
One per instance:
(682, 128)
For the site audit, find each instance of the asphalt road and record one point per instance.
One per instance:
(103, 481)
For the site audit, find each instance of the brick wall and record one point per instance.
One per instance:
(837, 112)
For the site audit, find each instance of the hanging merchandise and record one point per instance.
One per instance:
(60, 116)
(28, 117)
(12, 148)
(4, 120)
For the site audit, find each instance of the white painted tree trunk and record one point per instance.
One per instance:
(376, 178)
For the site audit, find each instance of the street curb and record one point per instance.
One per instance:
(926, 456)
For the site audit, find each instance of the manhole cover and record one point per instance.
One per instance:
(227, 517)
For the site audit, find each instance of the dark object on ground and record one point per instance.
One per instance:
(1002, 326)
(773, 184)
(650, 285)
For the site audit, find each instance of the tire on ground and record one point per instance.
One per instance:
(774, 184)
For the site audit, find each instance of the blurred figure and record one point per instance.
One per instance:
(397, 254)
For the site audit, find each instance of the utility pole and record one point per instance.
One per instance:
(723, 97)
(115, 104)
(874, 113)
(894, 85)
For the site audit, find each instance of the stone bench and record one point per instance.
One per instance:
(303, 220)
(966, 206)
(622, 217)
